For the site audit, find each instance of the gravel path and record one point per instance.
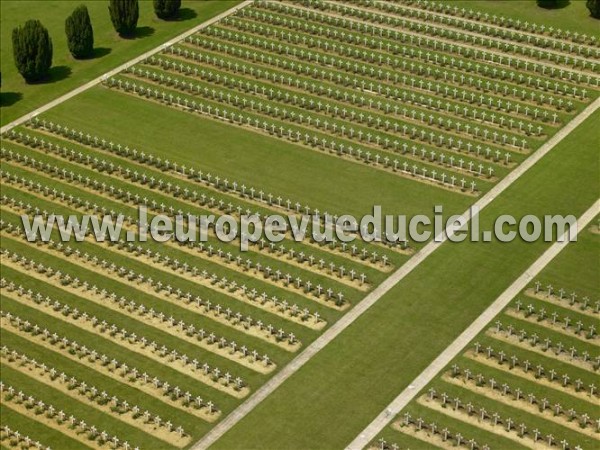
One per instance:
(386, 416)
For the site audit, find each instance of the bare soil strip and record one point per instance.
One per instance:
(522, 404)
(562, 303)
(557, 328)
(263, 334)
(38, 374)
(102, 301)
(180, 273)
(513, 340)
(291, 287)
(525, 441)
(210, 187)
(582, 394)
(153, 322)
(423, 435)
(147, 388)
(61, 428)
(140, 349)
(147, 288)
(215, 210)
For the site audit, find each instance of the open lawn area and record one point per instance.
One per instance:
(18, 98)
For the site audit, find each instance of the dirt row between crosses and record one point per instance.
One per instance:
(152, 322)
(147, 388)
(513, 340)
(157, 266)
(218, 261)
(41, 418)
(521, 404)
(172, 438)
(210, 187)
(583, 395)
(524, 441)
(557, 328)
(422, 435)
(137, 348)
(557, 302)
(180, 273)
(99, 299)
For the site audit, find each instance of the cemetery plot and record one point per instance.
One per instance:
(530, 380)
(14, 438)
(196, 327)
(146, 345)
(356, 84)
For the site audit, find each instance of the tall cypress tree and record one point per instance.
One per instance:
(594, 7)
(124, 15)
(32, 50)
(80, 35)
(166, 9)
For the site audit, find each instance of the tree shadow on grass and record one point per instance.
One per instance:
(99, 52)
(182, 15)
(57, 73)
(553, 4)
(186, 14)
(139, 33)
(9, 98)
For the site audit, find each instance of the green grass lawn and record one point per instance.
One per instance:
(576, 268)
(331, 399)
(336, 186)
(18, 98)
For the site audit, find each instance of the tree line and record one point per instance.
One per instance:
(32, 44)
